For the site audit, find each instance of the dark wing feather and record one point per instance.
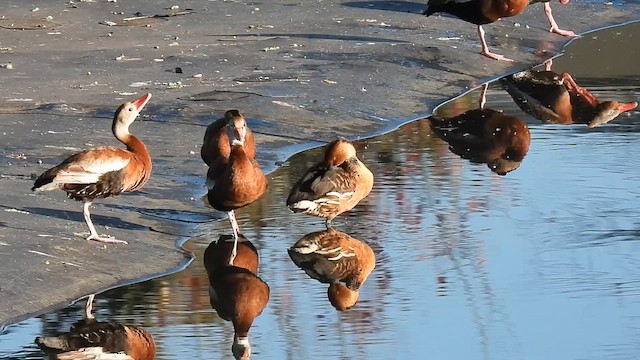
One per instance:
(320, 180)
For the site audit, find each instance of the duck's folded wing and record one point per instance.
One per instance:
(322, 182)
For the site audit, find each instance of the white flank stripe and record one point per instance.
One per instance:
(92, 353)
(305, 205)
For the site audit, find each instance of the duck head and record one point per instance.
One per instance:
(127, 114)
(341, 297)
(338, 151)
(236, 128)
(609, 110)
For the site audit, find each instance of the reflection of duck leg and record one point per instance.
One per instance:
(572, 85)
(547, 64)
(554, 25)
(88, 308)
(236, 235)
(483, 95)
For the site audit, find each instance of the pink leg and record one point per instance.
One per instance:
(236, 235)
(573, 86)
(89, 307)
(483, 95)
(94, 234)
(552, 22)
(548, 64)
(485, 48)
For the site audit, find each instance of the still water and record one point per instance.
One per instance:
(537, 264)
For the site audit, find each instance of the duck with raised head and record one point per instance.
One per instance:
(335, 258)
(235, 291)
(92, 339)
(334, 185)
(482, 12)
(103, 171)
(215, 145)
(558, 99)
(238, 181)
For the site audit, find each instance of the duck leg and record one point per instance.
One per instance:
(236, 235)
(327, 223)
(485, 48)
(89, 307)
(554, 25)
(483, 95)
(94, 234)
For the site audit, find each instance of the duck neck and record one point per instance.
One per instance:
(133, 144)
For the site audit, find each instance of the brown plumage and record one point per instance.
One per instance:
(333, 257)
(558, 99)
(236, 293)
(334, 185)
(237, 180)
(481, 12)
(486, 136)
(104, 171)
(91, 339)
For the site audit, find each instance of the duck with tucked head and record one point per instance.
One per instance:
(558, 99)
(103, 171)
(334, 185)
(235, 291)
(92, 339)
(238, 180)
(335, 258)
(481, 12)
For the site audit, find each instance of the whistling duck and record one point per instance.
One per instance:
(217, 254)
(215, 145)
(238, 180)
(334, 185)
(333, 257)
(557, 99)
(486, 136)
(91, 339)
(103, 171)
(481, 12)
(235, 291)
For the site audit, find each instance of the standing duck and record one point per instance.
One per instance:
(481, 12)
(215, 145)
(335, 258)
(334, 185)
(103, 171)
(91, 339)
(236, 293)
(237, 180)
(558, 99)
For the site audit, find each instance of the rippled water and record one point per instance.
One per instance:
(538, 264)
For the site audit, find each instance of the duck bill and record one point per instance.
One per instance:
(140, 103)
(564, 2)
(627, 106)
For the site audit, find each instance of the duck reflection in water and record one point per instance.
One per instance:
(92, 339)
(335, 258)
(558, 99)
(485, 136)
(236, 292)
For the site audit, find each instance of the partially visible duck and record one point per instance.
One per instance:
(239, 181)
(335, 258)
(481, 12)
(236, 293)
(558, 99)
(334, 185)
(92, 339)
(103, 171)
(218, 253)
(215, 145)
(486, 136)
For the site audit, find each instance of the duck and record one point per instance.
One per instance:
(482, 12)
(235, 292)
(485, 136)
(92, 339)
(215, 145)
(335, 258)
(103, 171)
(334, 185)
(558, 99)
(238, 180)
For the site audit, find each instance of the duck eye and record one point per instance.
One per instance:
(130, 109)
